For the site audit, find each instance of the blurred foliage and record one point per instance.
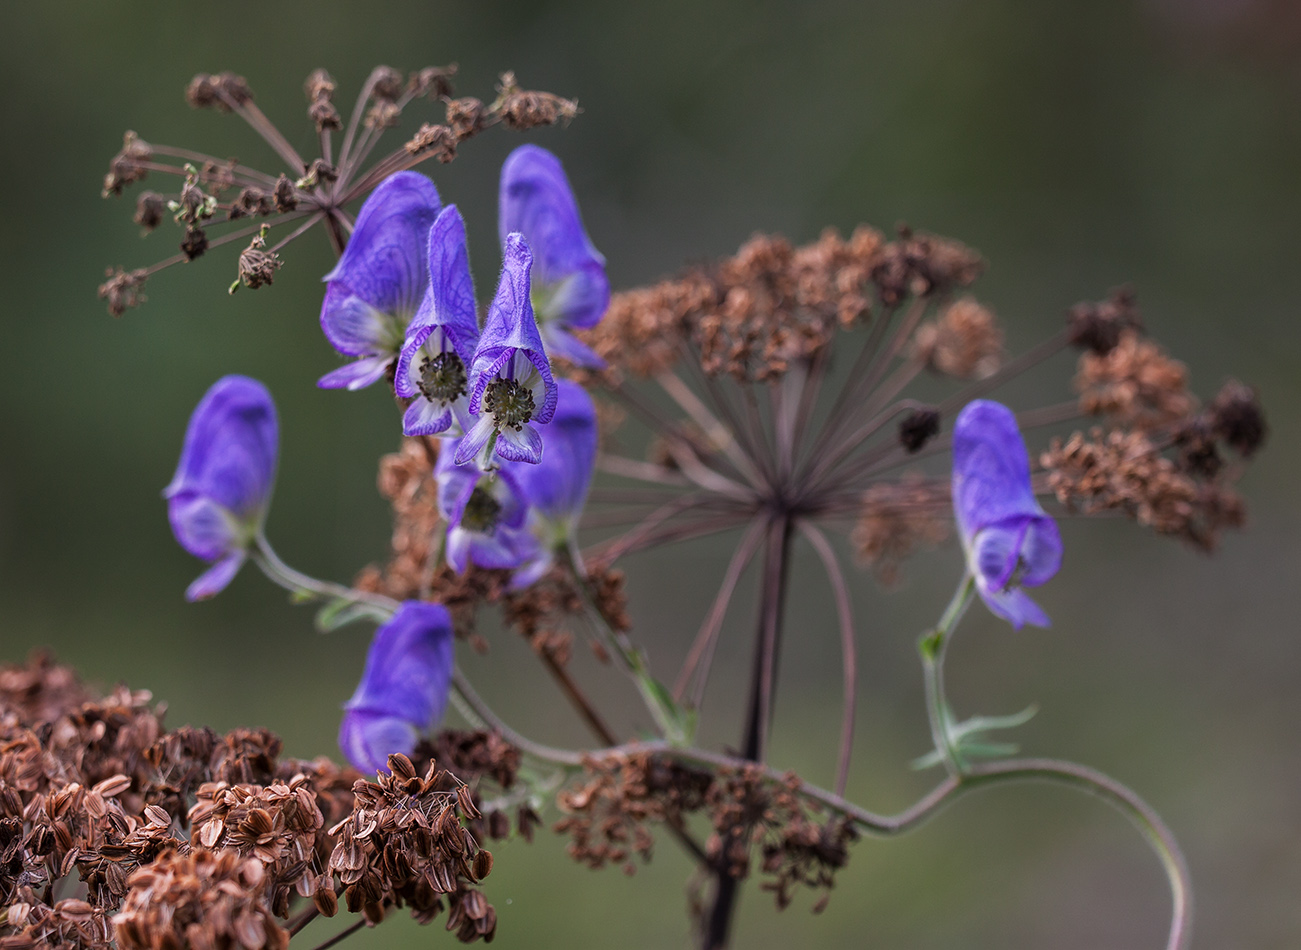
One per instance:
(1077, 146)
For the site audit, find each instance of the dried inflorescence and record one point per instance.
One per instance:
(754, 314)
(189, 838)
(405, 845)
(898, 519)
(1099, 326)
(1134, 384)
(964, 342)
(1124, 471)
(609, 809)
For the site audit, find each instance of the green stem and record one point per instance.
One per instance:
(304, 587)
(932, 646)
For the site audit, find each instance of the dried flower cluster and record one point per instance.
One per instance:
(963, 342)
(896, 521)
(189, 838)
(1134, 384)
(309, 191)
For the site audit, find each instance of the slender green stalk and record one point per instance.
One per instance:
(304, 587)
(932, 646)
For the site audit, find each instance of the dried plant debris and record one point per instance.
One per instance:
(190, 838)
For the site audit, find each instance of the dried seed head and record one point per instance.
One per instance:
(123, 289)
(964, 342)
(223, 91)
(918, 427)
(386, 83)
(439, 139)
(127, 166)
(149, 210)
(257, 266)
(526, 109)
(1135, 383)
(1099, 326)
(252, 202)
(1236, 416)
(319, 85)
(286, 197)
(465, 116)
(897, 520)
(923, 264)
(432, 81)
(194, 243)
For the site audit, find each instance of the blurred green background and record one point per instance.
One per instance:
(1076, 145)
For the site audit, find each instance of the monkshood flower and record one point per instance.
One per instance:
(511, 383)
(556, 488)
(485, 516)
(433, 367)
(570, 286)
(1009, 541)
(218, 498)
(379, 281)
(403, 690)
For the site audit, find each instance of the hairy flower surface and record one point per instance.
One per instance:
(512, 386)
(433, 367)
(1010, 542)
(378, 284)
(570, 286)
(485, 516)
(403, 690)
(218, 497)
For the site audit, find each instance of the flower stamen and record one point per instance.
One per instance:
(510, 404)
(442, 377)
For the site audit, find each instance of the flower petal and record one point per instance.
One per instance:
(424, 418)
(385, 261)
(523, 445)
(356, 375)
(536, 200)
(409, 666)
(214, 580)
(1014, 606)
(557, 485)
(563, 344)
(355, 327)
(369, 738)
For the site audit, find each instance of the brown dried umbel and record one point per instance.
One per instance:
(1236, 416)
(1098, 327)
(200, 899)
(319, 189)
(619, 796)
(897, 520)
(796, 848)
(405, 846)
(922, 265)
(257, 265)
(1134, 384)
(964, 342)
(1124, 471)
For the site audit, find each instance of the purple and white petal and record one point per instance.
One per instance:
(356, 375)
(216, 578)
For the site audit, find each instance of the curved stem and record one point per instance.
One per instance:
(932, 646)
(309, 588)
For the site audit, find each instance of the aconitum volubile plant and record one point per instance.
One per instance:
(777, 387)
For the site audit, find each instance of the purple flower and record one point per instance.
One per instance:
(1009, 541)
(218, 497)
(511, 382)
(433, 367)
(484, 513)
(379, 282)
(555, 489)
(570, 286)
(403, 690)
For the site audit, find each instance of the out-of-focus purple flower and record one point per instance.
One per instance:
(218, 497)
(403, 690)
(1009, 541)
(511, 383)
(433, 367)
(380, 280)
(570, 286)
(485, 515)
(556, 488)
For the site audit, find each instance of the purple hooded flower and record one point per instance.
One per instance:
(403, 690)
(433, 367)
(1009, 541)
(556, 488)
(380, 279)
(570, 286)
(511, 383)
(484, 513)
(218, 497)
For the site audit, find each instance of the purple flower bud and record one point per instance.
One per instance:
(403, 690)
(218, 497)
(511, 384)
(484, 514)
(379, 281)
(1009, 541)
(433, 367)
(570, 286)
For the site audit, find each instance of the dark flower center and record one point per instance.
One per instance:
(481, 512)
(509, 403)
(442, 377)
(1017, 575)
